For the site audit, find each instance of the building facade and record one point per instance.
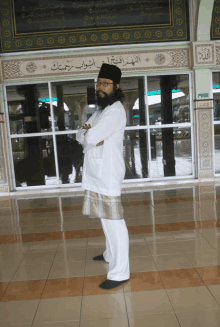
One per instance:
(170, 81)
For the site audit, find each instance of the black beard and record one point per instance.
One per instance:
(105, 101)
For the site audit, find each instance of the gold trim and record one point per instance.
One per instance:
(92, 44)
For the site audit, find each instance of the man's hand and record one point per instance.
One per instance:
(100, 143)
(87, 127)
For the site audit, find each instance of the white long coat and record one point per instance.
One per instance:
(104, 166)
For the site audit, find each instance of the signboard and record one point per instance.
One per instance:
(203, 95)
(42, 24)
(33, 16)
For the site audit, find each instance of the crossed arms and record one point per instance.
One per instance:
(87, 128)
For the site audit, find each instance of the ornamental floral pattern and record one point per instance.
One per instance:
(205, 139)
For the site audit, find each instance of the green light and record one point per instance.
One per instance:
(159, 92)
(47, 99)
(216, 86)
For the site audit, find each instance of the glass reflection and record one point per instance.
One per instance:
(136, 154)
(171, 149)
(70, 159)
(168, 99)
(216, 95)
(217, 148)
(133, 89)
(29, 108)
(34, 162)
(73, 103)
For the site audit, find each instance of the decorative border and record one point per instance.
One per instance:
(205, 139)
(91, 63)
(10, 42)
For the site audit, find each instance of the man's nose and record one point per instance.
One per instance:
(98, 87)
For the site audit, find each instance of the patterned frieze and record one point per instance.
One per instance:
(128, 61)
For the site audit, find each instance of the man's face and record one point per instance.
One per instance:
(103, 90)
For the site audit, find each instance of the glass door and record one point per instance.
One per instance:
(170, 126)
(136, 147)
(43, 119)
(42, 122)
(216, 120)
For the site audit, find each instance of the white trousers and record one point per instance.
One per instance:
(117, 249)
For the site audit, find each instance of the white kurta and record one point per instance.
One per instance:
(104, 166)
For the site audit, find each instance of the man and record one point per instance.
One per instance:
(104, 171)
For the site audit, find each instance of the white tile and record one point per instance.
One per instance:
(60, 309)
(18, 312)
(191, 299)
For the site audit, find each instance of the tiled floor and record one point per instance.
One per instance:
(48, 277)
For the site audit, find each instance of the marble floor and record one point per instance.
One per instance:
(48, 277)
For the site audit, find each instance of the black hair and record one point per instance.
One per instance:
(118, 96)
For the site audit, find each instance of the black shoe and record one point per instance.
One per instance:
(109, 284)
(99, 258)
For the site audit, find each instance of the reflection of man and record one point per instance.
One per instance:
(104, 171)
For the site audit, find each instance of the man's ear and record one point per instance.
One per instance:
(117, 86)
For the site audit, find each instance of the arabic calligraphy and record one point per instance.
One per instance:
(110, 3)
(41, 7)
(101, 23)
(81, 14)
(66, 65)
(45, 20)
(146, 7)
(41, 15)
(99, 17)
(58, 27)
(205, 54)
(92, 4)
(85, 64)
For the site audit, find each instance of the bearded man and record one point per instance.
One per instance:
(104, 172)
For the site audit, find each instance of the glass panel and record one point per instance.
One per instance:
(217, 148)
(134, 100)
(34, 162)
(73, 103)
(168, 99)
(216, 95)
(136, 154)
(171, 152)
(70, 159)
(29, 108)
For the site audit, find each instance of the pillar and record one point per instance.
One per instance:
(204, 57)
(4, 183)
